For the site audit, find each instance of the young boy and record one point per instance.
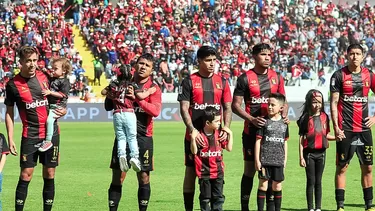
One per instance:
(209, 164)
(4, 150)
(271, 151)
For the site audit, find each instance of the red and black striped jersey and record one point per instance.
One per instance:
(32, 106)
(147, 109)
(314, 132)
(203, 92)
(255, 89)
(209, 160)
(353, 103)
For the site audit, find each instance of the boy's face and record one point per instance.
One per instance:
(274, 106)
(215, 124)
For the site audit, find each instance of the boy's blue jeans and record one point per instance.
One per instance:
(50, 121)
(125, 124)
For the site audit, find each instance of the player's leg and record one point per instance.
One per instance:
(270, 202)
(131, 137)
(118, 177)
(365, 155)
(146, 151)
(28, 160)
(310, 179)
(217, 196)
(262, 189)
(344, 153)
(119, 126)
(50, 160)
(205, 194)
(248, 143)
(47, 144)
(189, 179)
(277, 176)
(319, 168)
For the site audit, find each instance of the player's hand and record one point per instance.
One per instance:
(286, 120)
(130, 93)
(302, 162)
(110, 95)
(339, 134)
(370, 121)
(258, 166)
(258, 121)
(12, 148)
(196, 136)
(46, 92)
(151, 90)
(60, 112)
(225, 131)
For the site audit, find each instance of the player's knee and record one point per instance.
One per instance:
(249, 169)
(341, 169)
(276, 186)
(143, 178)
(48, 173)
(26, 175)
(263, 185)
(366, 169)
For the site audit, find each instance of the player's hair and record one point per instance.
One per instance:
(279, 97)
(126, 74)
(147, 57)
(26, 51)
(258, 48)
(209, 114)
(65, 64)
(307, 107)
(354, 46)
(206, 51)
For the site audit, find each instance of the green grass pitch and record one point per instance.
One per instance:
(83, 177)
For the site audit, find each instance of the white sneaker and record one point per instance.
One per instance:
(123, 163)
(311, 210)
(136, 164)
(318, 210)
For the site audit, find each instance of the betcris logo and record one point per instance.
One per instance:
(210, 154)
(274, 139)
(259, 100)
(355, 99)
(36, 104)
(204, 106)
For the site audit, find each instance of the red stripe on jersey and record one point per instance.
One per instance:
(317, 130)
(254, 89)
(42, 111)
(26, 96)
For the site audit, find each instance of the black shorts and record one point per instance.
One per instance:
(274, 173)
(30, 153)
(146, 154)
(189, 157)
(248, 144)
(210, 188)
(360, 143)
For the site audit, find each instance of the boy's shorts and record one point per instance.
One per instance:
(274, 173)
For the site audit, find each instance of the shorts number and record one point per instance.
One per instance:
(368, 150)
(146, 156)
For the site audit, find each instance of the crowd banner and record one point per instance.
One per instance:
(94, 112)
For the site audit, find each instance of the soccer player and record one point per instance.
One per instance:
(209, 165)
(254, 87)
(145, 110)
(198, 91)
(349, 89)
(271, 151)
(26, 91)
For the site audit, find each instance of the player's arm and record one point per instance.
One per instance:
(281, 90)
(9, 124)
(258, 165)
(229, 144)
(302, 161)
(238, 95)
(184, 97)
(370, 121)
(286, 145)
(193, 147)
(104, 91)
(227, 102)
(335, 87)
(153, 107)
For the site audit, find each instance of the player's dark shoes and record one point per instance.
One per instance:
(371, 209)
(123, 163)
(46, 145)
(136, 164)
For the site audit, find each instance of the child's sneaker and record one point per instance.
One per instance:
(123, 163)
(371, 209)
(46, 145)
(318, 210)
(135, 164)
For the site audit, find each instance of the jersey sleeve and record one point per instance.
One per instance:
(260, 133)
(241, 86)
(287, 133)
(184, 94)
(227, 95)
(65, 88)
(10, 98)
(4, 149)
(336, 81)
(281, 88)
(372, 82)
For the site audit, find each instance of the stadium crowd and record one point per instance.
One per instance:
(305, 35)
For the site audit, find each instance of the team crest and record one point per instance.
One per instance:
(45, 85)
(24, 158)
(180, 90)
(342, 156)
(333, 82)
(218, 86)
(273, 80)
(197, 86)
(249, 152)
(366, 84)
(348, 82)
(253, 83)
(24, 89)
